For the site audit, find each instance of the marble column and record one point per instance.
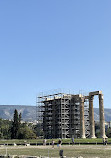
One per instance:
(91, 117)
(82, 123)
(101, 115)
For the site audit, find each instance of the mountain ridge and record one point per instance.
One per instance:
(29, 112)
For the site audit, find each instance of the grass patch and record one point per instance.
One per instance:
(22, 141)
(85, 151)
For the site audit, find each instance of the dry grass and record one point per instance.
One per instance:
(86, 151)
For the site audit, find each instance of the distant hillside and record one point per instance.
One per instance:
(107, 113)
(29, 112)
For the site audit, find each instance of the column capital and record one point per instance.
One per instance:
(82, 99)
(91, 97)
(101, 96)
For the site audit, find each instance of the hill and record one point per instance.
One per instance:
(107, 113)
(29, 112)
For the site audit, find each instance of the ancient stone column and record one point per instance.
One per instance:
(82, 123)
(101, 115)
(91, 117)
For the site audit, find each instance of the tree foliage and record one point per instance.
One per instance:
(15, 125)
(20, 131)
(5, 127)
(108, 132)
(26, 133)
(38, 130)
(17, 130)
(97, 130)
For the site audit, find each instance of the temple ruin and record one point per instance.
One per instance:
(69, 115)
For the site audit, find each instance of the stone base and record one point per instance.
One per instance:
(104, 136)
(83, 137)
(93, 137)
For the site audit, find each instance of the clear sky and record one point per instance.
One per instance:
(52, 44)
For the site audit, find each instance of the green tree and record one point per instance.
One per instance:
(21, 131)
(108, 132)
(5, 126)
(38, 130)
(26, 132)
(15, 125)
(20, 118)
(97, 129)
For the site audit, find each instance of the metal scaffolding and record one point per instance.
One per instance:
(60, 115)
(68, 115)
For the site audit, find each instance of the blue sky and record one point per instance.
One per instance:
(61, 44)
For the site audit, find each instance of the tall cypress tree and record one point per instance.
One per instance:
(15, 125)
(20, 117)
